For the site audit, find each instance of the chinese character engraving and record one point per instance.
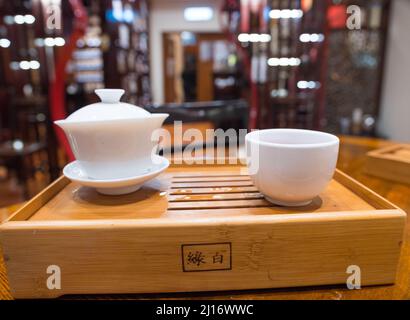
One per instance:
(206, 256)
(218, 258)
(196, 258)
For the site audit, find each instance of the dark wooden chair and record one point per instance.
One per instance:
(29, 147)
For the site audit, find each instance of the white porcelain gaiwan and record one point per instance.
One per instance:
(112, 139)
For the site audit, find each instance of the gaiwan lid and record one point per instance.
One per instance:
(110, 108)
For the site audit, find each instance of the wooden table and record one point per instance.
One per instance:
(351, 161)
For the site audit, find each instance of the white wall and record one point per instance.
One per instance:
(168, 16)
(395, 104)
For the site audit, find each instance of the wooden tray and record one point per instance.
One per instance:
(198, 228)
(392, 163)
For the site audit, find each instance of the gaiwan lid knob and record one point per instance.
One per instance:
(109, 95)
(110, 108)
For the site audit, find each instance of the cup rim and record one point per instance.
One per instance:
(333, 140)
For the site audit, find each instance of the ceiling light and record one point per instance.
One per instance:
(34, 64)
(243, 37)
(314, 37)
(264, 37)
(198, 13)
(303, 84)
(284, 62)
(5, 43)
(18, 145)
(296, 13)
(294, 61)
(39, 42)
(49, 42)
(59, 42)
(19, 19)
(274, 14)
(304, 37)
(29, 19)
(273, 62)
(254, 37)
(24, 65)
(14, 65)
(285, 14)
(8, 19)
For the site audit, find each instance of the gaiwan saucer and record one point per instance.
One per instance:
(115, 186)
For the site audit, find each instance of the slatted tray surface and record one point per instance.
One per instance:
(181, 193)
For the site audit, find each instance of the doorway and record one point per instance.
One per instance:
(200, 67)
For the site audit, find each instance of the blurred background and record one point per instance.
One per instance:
(331, 65)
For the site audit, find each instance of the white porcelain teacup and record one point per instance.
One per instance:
(112, 139)
(290, 167)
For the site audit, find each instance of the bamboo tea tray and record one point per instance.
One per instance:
(198, 228)
(392, 163)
